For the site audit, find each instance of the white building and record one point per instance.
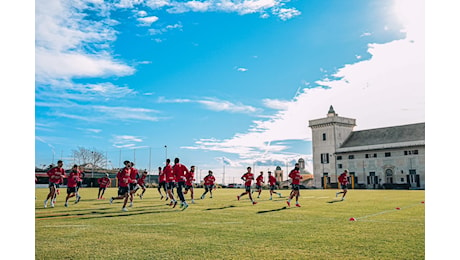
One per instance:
(389, 157)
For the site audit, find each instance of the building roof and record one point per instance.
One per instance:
(413, 133)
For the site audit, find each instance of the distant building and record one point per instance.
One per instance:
(389, 157)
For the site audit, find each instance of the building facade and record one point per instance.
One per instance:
(389, 157)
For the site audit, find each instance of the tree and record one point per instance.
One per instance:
(84, 156)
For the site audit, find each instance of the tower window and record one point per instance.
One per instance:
(324, 136)
(324, 158)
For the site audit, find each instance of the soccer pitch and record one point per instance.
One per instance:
(390, 224)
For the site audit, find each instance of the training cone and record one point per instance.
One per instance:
(352, 219)
(398, 208)
(423, 201)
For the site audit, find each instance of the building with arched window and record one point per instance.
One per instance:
(388, 157)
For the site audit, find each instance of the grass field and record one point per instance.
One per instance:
(390, 224)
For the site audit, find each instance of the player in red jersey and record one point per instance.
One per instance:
(141, 183)
(162, 183)
(133, 186)
(209, 181)
(124, 178)
(180, 171)
(343, 184)
(259, 183)
(248, 177)
(295, 183)
(104, 182)
(56, 175)
(170, 182)
(80, 176)
(72, 185)
(190, 178)
(272, 183)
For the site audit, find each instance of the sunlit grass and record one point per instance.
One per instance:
(224, 228)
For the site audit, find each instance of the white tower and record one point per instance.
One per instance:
(328, 134)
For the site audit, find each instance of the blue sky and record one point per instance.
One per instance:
(221, 83)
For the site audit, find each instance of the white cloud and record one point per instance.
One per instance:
(148, 20)
(125, 141)
(214, 104)
(241, 69)
(63, 39)
(222, 105)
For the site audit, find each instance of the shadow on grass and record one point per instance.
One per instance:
(272, 210)
(334, 201)
(101, 214)
(226, 207)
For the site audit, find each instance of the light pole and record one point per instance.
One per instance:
(166, 152)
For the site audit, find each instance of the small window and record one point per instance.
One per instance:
(375, 155)
(415, 151)
(339, 157)
(387, 154)
(324, 158)
(367, 155)
(339, 166)
(324, 136)
(351, 156)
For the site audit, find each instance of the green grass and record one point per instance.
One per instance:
(224, 228)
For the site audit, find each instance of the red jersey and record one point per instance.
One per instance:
(260, 180)
(161, 176)
(180, 171)
(56, 175)
(133, 176)
(271, 180)
(124, 177)
(104, 182)
(209, 180)
(141, 180)
(295, 176)
(190, 177)
(343, 179)
(72, 179)
(248, 178)
(79, 175)
(168, 172)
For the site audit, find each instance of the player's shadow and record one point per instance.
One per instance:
(272, 210)
(226, 207)
(334, 201)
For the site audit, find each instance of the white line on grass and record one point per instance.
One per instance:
(386, 211)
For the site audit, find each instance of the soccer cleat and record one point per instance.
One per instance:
(343, 198)
(202, 197)
(288, 202)
(181, 205)
(193, 202)
(175, 203)
(140, 196)
(124, 209)
(45, 202)
(52, 204)
(185, 206)
(161, 198)
(270, 198)
(258, 197)
(111, 200)
(297, 205)
(77, 200)
(238, 197)
(131, 204)
(66, 205)
(279, 194)
(254, 202)
(210, 197)
(336, 194)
